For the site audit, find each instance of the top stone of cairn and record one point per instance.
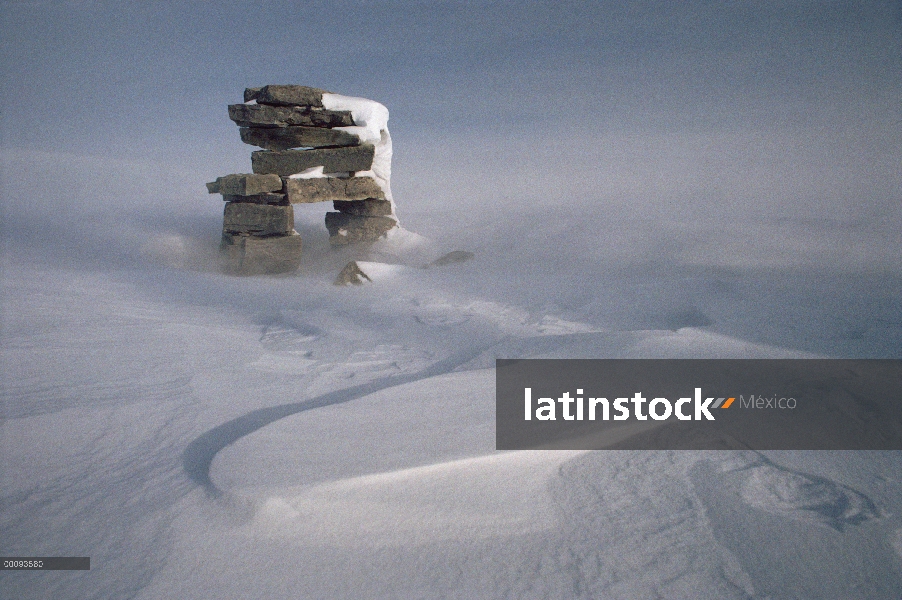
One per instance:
(286, 95)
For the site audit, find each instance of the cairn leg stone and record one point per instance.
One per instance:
(349, 229)
(251, 255)
(257, 219)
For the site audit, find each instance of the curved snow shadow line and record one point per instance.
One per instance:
(199, 454)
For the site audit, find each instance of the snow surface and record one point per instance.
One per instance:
(205, 436)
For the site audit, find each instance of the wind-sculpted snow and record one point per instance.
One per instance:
(798, 534)
(630, 180)
(199, 454)
(350, 431)
(805, 497)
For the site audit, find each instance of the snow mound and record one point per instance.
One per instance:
(482, 497)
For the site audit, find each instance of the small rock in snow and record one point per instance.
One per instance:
(351, 275)
(455, 256)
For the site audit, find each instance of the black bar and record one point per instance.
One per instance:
(45, 563)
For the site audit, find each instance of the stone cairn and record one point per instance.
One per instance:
(317, 147)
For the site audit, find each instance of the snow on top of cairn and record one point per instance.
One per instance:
(370, 117)
(371, 126)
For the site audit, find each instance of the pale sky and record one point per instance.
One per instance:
(791, 106)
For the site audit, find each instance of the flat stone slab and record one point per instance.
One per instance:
(286, 95)
(245, 184)
(349, 229)
(333, 160)
(363, 208)
(324, 189)
(250, 255)
(262, 115)
(267, 198)
(285, 138)
(257, 219)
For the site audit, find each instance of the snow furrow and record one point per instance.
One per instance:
(199, 454)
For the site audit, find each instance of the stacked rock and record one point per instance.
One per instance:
(258, 233)
(317, 147)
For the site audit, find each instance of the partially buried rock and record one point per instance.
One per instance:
(351, 275)
(455, 256)
(348, 229)
(250, 255)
